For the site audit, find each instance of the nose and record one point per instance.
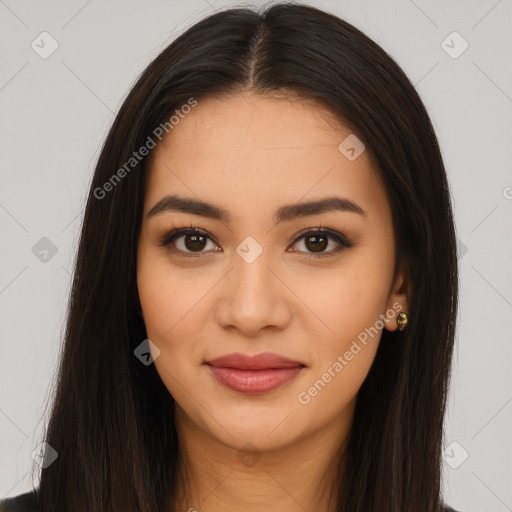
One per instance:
(253, 296)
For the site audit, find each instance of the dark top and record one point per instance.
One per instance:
(27, 503)
(21, 503)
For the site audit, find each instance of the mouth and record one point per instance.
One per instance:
(255, 381)
(257, 374)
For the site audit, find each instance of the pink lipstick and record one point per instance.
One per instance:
(256, 374)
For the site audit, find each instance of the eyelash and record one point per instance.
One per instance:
(172, 235)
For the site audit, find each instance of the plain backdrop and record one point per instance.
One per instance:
(54, 115)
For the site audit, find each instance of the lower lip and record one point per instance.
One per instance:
(255, 381)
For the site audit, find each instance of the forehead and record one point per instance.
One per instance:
(247, 150)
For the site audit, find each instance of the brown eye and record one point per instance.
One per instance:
(317, 241)
(192, 242)
(187, 241)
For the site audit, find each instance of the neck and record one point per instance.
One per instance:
(301, 476)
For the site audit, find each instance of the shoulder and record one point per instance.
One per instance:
(28, 503)
(22, 503)
(446, 508)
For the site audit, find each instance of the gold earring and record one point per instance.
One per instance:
(402, 321)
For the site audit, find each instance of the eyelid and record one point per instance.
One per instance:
(175, 233)
(342, 241)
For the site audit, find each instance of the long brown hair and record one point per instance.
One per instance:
(111, 419)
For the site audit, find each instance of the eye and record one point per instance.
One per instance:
(317, 240)
(195, 240)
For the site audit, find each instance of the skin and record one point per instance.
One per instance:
(251, 154)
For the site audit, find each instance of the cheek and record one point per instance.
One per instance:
(175, 305)
(343, 357)
(351, 307)
(168, 308)
(352, 300)
(170, 298)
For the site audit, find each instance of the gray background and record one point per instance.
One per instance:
(54, 116)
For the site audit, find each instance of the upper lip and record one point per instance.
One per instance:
(261, 361)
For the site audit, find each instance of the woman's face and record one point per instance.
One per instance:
(251, 282)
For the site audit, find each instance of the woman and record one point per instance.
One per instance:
(265, 293)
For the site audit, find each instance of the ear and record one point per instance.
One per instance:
(399, 298)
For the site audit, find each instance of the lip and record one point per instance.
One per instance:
(254, 374)
(263, 361)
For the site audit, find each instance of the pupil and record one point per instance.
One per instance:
(198, 242)
(319, 243)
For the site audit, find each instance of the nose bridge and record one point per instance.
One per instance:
(252, 296)
(251, 275)
(251, 272)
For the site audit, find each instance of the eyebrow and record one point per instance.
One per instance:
(174, 203)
